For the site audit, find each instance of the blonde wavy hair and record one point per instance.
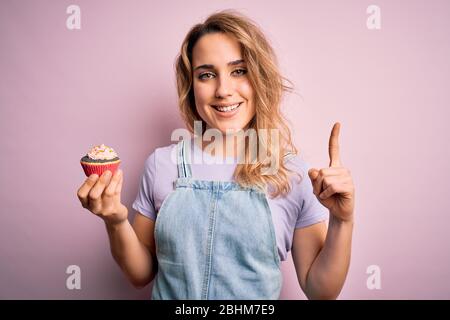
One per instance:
(267, 82)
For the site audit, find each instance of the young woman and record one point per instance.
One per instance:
(213, 230)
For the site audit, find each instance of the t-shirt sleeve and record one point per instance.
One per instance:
(312, 211)
(144, 202)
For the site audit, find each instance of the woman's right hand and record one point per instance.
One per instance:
(101, 196)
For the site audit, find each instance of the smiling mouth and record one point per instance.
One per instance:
(227, 109)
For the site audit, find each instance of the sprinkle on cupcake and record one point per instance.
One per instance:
(102, 152)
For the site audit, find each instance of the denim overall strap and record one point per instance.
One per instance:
(184, 169)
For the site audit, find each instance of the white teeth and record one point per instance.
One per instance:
(227, 109)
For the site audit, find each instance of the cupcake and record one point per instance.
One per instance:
(99, 159)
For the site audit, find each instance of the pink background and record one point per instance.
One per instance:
(112, 82)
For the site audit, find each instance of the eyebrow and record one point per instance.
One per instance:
(210, 66)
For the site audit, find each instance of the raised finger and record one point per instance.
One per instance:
(333, 146)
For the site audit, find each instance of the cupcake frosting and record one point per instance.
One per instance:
(102, 152)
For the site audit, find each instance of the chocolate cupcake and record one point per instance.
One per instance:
(99, 159)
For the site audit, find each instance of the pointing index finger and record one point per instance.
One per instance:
(333, 148)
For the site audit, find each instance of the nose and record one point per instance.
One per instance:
(224, 87)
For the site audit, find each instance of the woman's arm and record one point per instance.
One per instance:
(133, 248)
(322, 258)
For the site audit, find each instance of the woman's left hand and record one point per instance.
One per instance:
(333, 186)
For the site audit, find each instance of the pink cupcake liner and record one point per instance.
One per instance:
(99, 168)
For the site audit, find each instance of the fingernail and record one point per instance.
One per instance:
(119, 172)
(107, 173)
(93, 177)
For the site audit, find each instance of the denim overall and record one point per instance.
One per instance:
(215, 240)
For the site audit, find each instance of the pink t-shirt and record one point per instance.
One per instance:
(299, 208)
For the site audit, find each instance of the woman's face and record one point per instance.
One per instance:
(223, 94)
